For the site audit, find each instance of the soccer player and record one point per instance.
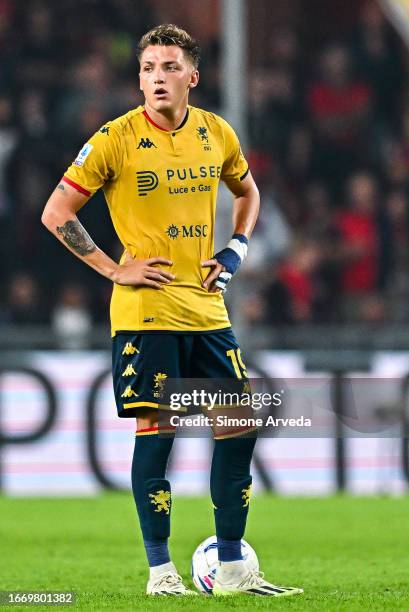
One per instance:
(159, 166)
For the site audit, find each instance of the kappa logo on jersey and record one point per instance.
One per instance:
(147, 181)
(187, 231)
(83, 154)
(146, 143)
(104, 130)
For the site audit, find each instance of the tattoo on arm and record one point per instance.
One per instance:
(77, 237)
(61, 186)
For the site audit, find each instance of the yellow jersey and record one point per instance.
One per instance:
(161, 190)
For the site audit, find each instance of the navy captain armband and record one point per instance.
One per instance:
(231, 257)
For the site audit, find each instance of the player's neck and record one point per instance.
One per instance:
(167, 120)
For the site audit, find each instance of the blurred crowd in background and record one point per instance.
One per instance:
(329, 148)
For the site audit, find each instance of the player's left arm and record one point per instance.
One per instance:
(246, 205)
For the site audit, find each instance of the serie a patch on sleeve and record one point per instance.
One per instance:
(83, 154)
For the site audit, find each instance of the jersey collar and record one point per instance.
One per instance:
(164, 129)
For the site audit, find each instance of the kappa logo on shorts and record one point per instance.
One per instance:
(129, 349)
(129, 392)
(162, 500)
(129, 370)
(146, 181)
(246, 496)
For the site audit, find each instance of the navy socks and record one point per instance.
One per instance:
(152, 493)
(230, 487)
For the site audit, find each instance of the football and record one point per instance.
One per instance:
(205, 560)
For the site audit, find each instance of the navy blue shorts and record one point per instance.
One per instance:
(142, 363)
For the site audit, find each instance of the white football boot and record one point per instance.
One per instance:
(252, 583)
(168, 584)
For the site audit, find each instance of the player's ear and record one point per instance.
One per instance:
(194, 79)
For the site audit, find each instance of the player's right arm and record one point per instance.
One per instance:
(60, 217)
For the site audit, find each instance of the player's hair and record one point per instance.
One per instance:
(169, 34)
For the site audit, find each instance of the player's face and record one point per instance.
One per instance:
(166, 77)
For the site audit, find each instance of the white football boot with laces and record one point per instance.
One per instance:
(168, 584)
(252, 583)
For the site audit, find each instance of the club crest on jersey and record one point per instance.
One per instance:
(203, 135)
(202, 131)
(146, 143)
(105, 130)
(146, 181)
(162, 500)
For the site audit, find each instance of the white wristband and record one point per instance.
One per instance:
(238, 247)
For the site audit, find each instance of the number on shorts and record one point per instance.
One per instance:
(237, 362)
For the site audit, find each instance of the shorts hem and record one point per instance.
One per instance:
(152, 405)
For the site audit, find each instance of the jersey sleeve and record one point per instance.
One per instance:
(235, 166)
(99, 161)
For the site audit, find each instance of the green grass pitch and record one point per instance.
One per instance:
(347, 553)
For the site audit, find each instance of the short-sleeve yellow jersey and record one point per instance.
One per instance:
(161, 190)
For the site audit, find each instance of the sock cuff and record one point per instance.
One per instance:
(156, 430)
(156, 570)
(238, 432)
(157, 553)
(229, 550)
